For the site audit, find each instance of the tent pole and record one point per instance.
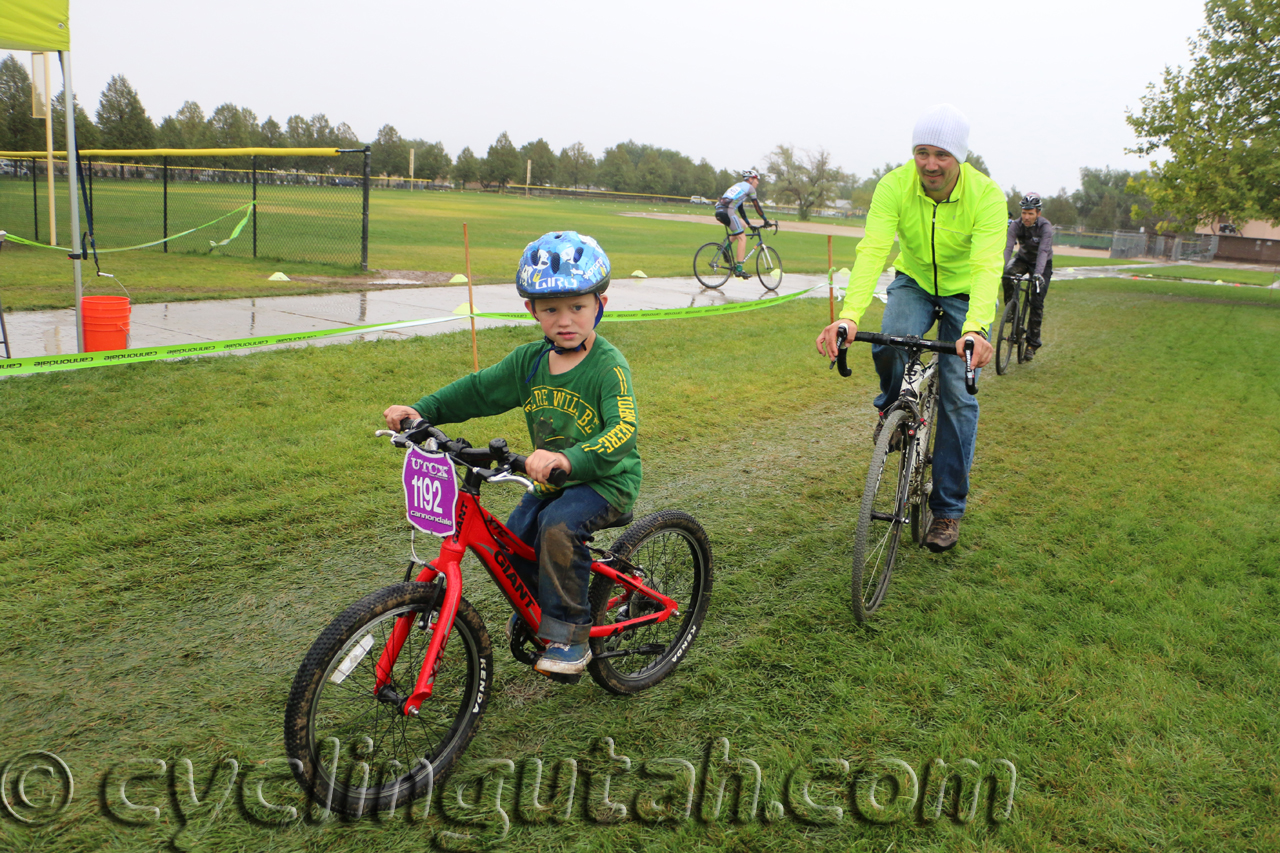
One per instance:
(64, 57)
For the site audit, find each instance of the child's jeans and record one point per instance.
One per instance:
(555, 527)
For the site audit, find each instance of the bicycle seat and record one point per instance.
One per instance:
(621, 521)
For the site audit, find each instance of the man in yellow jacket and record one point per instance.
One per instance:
(950, 221)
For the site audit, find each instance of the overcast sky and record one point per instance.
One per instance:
(1045, 84)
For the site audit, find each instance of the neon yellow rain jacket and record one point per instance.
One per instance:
(950, 247)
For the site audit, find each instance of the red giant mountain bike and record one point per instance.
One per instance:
(389, 695)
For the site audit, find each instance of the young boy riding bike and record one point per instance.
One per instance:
(575, 389)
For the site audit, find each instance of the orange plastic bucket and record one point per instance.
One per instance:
(106, 322)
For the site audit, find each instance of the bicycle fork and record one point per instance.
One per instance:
(448, 565)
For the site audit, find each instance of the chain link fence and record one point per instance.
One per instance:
(1173, 247)
(245, 206)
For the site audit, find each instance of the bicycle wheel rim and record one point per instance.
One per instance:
(364, 754)
(672, 550)
(881, 516)
(769, 267)
(1005, 337)
(712, 265)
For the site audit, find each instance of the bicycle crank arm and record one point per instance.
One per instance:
(888, 516)
(646, 649)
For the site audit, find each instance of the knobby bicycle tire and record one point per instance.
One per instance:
(1006, 337)
(712, 264)
(881, 516)
(674, 555)
(383, 759)
(1024, 325)
(769, 267)
(921, 514)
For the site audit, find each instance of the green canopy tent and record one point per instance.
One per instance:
(44, 25)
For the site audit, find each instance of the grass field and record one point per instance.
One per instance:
(1263, 278)
(407, 231)
(176, 534)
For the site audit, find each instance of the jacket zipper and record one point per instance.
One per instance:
(933, 249)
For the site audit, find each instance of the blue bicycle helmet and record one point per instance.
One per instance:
(562, 263)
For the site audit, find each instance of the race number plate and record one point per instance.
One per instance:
(430, 492)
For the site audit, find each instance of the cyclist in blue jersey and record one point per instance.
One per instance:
(729, 212)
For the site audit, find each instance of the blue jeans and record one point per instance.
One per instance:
(910, 312)
(555, 527)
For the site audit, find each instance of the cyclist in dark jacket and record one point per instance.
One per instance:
(1034, 236)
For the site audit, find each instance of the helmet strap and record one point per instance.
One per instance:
(552, 346)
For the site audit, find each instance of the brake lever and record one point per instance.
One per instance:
(970, 375)
(507, 476)
(842, 351)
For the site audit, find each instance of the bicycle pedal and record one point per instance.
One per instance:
(561, 678)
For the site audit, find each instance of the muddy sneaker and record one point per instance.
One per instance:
(942, 534)
(564, 659)
(1030, 354)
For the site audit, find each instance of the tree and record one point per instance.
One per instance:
(703, 180)
(1217, 120)
(1012, 201)
(861, 191)
(576, 166)
(724, 180)
(299, 133)
(467, 168)
(230, 127)
(810, 181)
(18, 130)
(187, 128)
(389, 153)
(272, 133)
(616, 171)
(542, 162)
(1060, 211)
(1111, 199)
(431, 162)
(502, 164)
(652, 175)
(121, 117)
(975, 160)
(87, 135)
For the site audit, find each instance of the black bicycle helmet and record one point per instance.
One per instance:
(1031, 201)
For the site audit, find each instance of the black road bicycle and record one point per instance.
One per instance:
(1014, 321)
(713, 262)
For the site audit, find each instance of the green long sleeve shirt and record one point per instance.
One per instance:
(949, 248)
(587, 413)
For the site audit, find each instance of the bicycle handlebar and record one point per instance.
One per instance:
(909, 343)
(417, 431)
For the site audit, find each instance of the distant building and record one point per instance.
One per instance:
(1253, 241)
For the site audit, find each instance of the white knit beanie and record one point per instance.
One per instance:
(945, 127)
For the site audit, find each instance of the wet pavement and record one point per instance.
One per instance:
(35, 333)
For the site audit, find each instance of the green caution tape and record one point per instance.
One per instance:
(248, 208)
(75, 361)
(669, 313)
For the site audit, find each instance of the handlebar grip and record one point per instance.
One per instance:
(558, 477)
(970, 375)
(842, 351)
